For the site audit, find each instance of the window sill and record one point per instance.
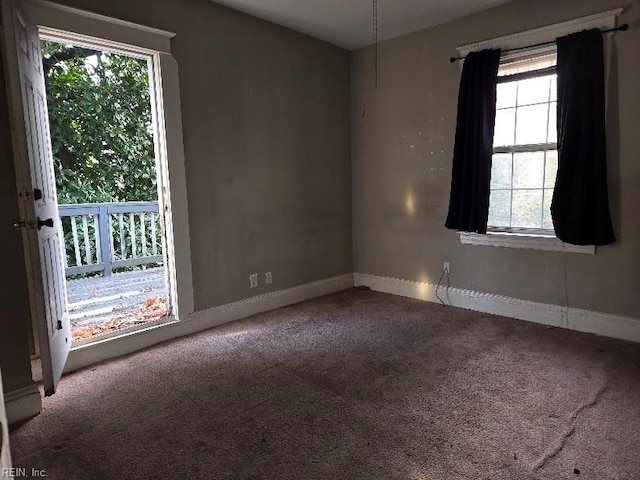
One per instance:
(532, 242)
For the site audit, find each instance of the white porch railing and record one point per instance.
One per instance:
(100, 237)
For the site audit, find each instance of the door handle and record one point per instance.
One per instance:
(45, 223)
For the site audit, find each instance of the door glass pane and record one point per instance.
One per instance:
(505, 127)
(527, 208)
(528, 170)
(501, 170)
(533, 90)
(500, 208)
(532, 124)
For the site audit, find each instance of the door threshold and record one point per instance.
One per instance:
(134, 330)
(104, 341)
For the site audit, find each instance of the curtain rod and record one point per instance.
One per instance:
(623, 28)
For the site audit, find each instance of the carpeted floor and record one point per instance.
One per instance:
(354, 385)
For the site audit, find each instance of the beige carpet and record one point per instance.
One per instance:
(355, 385)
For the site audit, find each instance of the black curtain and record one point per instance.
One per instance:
(471, 173)
(580, 204)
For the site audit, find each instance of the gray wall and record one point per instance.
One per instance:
(267, 139)
(265, 114)
(266, 121)
(415, 103)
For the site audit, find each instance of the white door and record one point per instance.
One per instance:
(40, 222)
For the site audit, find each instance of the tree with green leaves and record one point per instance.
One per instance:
(101, 125)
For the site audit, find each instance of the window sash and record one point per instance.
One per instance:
(538, 232)
(536, 147)
(547, 232)
(540, 147)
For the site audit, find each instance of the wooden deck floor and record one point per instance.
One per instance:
(99, 305)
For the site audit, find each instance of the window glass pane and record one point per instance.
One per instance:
(499, 208)
(506, 95)
(532, 124)
(501, 170)
(546, 215)
(553, 129)
(551, 169)
(554, 88)
(533, 90)
(505, 127)
(527, 208)
(528, 170)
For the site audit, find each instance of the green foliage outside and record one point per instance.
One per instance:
(102, 139)
(101, 125)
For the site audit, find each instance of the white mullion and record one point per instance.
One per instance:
(524, 189)
(530, 147)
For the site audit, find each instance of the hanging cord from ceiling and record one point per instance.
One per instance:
(375, 39)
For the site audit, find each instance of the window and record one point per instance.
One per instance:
(501, 234)
(525, 156)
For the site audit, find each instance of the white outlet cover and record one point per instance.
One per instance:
(253, 280)
(268, 278)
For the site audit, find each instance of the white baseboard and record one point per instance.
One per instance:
(605, 324)
(113, 347)
(23, 404)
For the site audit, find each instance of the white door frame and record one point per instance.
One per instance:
(88, 28)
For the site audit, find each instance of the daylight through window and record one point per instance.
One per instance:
(525, 156)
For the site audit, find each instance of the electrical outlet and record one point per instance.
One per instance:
(268, 278)
(447, 268)
(253, 280)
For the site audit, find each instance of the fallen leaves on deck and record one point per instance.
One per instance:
(153, 308)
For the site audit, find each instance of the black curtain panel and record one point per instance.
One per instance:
(580, 204)
(471, 173)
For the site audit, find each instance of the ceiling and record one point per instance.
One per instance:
(349, 23)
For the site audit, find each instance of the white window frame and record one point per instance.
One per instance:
(604, 21)
(517, 148)
(85, 27)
